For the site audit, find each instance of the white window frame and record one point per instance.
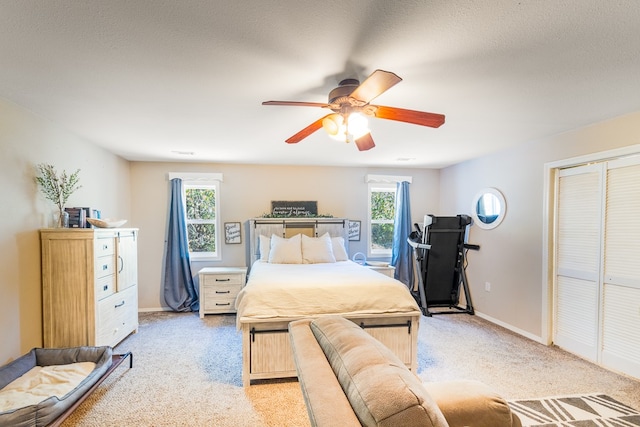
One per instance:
(380, 183)
(373, 188)
(203, 181)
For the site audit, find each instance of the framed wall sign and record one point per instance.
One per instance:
(295, 209)
(232, 232)
(354, 230)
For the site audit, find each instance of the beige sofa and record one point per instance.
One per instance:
(348, 378)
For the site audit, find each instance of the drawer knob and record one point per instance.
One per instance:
(223, 304)
(222, 280)
(105, 267)
(223, 292)
(119, 305)
(105, 287)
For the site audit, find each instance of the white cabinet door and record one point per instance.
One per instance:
(127, 259)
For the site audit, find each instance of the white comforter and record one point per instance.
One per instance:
(302, 290)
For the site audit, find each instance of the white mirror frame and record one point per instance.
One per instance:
(474, 208)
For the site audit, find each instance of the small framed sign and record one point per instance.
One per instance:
(354, 230)
(232, 232)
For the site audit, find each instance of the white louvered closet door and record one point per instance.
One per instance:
(578, 258)
(621, 295)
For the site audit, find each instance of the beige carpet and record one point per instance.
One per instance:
(187, 372)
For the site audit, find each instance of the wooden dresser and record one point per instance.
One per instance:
(219, 287)
(89, 286)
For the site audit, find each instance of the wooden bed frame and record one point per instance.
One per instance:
(266, 348)
(267, 354)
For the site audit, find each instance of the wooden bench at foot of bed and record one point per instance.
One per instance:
(266, 346)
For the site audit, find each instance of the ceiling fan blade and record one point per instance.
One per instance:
(306, 131)
(422, 118)
(378, 82)
(365, 142)
(296, 104)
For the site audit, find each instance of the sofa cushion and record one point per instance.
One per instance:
(381, 389)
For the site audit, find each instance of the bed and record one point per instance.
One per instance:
(312, 277)
(44, 386)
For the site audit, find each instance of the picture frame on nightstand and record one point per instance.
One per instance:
(232, 233)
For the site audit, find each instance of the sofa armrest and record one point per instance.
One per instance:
(466, 403)
(326, 403)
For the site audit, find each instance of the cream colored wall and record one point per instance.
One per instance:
(510, 257)
(26, 140)
(247, 191)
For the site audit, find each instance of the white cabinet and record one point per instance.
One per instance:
(89, 286)
(219, 287)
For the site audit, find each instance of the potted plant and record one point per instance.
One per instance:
(57, 188)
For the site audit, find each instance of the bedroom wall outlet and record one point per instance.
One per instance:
(487, 286)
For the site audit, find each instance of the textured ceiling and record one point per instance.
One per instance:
(150, 79)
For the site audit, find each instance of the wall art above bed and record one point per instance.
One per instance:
(285, 209)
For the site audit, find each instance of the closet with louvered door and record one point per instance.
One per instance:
(620, 346)
(597, 279)
(579, 227)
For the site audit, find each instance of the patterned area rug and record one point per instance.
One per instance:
(593, 410)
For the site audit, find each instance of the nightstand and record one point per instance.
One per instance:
(387, 271)
(219, 287)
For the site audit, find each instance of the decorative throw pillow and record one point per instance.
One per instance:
(265, 245)
(339, 252)
(285, 251)
(316, 250)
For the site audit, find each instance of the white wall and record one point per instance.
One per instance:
(247, 192)
(26, 140)
(510, 257)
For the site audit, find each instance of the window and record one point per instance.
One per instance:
(200, 197)
(201, 205)
(382, 211)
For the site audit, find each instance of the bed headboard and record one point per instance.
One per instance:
(287, 227)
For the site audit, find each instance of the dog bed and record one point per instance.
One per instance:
(44, 386)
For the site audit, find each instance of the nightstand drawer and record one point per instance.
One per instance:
(220, 304)
(223, 279)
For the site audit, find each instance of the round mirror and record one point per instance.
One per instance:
(488, 208)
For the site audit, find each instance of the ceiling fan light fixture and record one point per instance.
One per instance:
(333, 124)
(358, 125)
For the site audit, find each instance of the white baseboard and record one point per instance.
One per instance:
(511, 328)
(152, 309)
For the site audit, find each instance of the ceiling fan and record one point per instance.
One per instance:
(350, 101)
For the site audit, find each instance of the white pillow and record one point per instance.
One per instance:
(265, 244)
(339, 252)
(285, 251)
(317, 250)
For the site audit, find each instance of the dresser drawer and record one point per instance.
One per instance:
(104, 246)
(105, 286)
(223, 279)
(117, 316)
(105, 266)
